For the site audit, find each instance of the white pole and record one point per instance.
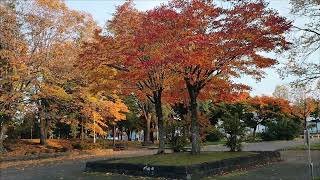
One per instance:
(94, 131)
(309, 153)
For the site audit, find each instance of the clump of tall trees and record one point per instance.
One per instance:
(58, 66)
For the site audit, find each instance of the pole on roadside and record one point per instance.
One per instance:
(307, 140)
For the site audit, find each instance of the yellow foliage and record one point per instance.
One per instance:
(101, 111)
(52, 91)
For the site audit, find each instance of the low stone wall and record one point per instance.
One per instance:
(184, 172)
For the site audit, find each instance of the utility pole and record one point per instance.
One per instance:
(307, 139)
(94, 131)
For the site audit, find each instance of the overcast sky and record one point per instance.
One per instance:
(102, 10)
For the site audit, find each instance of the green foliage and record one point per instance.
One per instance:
(233, 125)
(178, 143)
(283, 129)
(74, 130)
(232, 117)
(176, 135)
(214, 135)
(234, 129)
(133, 121)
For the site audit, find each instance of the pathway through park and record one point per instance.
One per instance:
(294, 166)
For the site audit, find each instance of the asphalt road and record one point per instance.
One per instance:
(294, 166)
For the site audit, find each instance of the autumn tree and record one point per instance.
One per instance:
(51, 31)
(303, 62)
(261, 110)
(212, 43)
(281, 91)
(304, 105)
(13, 71)
(144, 46)
(102, 110)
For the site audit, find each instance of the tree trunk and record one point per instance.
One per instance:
(158, 107)
(129, 135)
(195, 130)
(82, 133)
(305, 123)
(31, 137)
(44, 123)
(254, 132)
(43, 134)
(3, 132)
(148, 128)
(121, 135)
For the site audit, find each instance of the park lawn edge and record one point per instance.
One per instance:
(313, 147)
(181, 158)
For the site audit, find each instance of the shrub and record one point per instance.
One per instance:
(283, 129)
(178, 143)
(234, 129)
(176, 136)
(251, 138)
(214, 135)
(78, 146)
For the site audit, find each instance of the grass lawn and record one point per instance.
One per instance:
(214, 143)
(178, 159)
(315, 146)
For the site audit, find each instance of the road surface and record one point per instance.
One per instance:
(294, 166)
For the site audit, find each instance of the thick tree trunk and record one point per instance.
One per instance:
(147, 139)
(129, 135)
(195, 129)
(158, 107)
(3, 132)
(43, 134)
(44, 123)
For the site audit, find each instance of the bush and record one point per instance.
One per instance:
(283, 129)
(80, 146)
(178, 143)
(234, 129)
(176, 136)
(214, 135)
(250, 138)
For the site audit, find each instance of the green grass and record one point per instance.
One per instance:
(180, 159)
(315, 146)
(214, 143)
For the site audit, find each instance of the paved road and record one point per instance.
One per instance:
(70, 169)
(261, 146)
(294, 166)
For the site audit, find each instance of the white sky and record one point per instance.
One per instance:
(102, 10)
